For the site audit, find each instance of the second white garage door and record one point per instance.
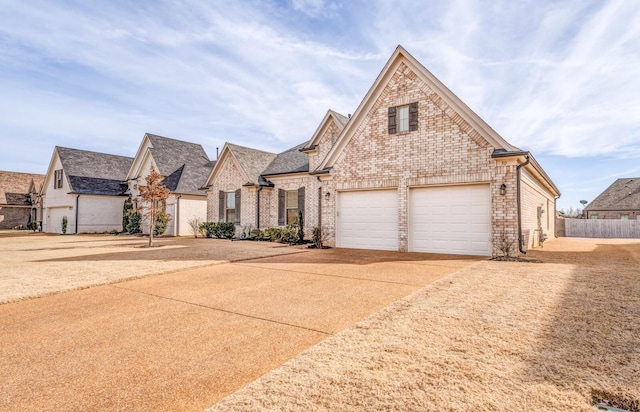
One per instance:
(451, 219)
(368, 220)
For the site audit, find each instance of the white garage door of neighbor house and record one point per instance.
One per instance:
(54, 219)
(368, 220)
(450, 219)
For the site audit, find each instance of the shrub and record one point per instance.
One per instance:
(64, 225)
(225, 230)
(127, 210)
(300, 223)
(162, 221)
(133, 226)
(256, 234)
(207, 228)
(317, 237)
(290, 235)
(220, 230)
(33, 225)
(273, 234)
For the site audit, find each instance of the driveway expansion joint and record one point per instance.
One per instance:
(223, 310)
(336, 276)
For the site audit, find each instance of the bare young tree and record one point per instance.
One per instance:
(153, 196)
(194, 224)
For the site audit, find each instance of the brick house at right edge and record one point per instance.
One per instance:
(414, 169)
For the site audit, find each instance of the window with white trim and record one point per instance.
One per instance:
(230, 207)
(291, 206)
(403, 118)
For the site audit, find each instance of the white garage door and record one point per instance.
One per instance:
(451, 219)
(368, 220)
(54, 219)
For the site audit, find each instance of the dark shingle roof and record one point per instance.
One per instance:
(94, 173)
(185, 165)
(623, 194)
(289, 161)
(252, 161)
(14, 187)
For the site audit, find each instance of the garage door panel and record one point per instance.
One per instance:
(368, 220)
(453, 219)
(54, 219)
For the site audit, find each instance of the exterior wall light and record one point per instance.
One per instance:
(503, 189)
(327, 196)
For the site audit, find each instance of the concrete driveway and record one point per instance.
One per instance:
(184, 340)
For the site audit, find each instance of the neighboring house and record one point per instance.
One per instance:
(234, 184)
(414, 169)
(185, 167)
(257, 189)
(621, 200)
(18, 196)
(85, 187)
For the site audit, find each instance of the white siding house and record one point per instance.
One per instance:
(185, 167)
(86, 188)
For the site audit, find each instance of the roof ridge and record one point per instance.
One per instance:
(91, 151)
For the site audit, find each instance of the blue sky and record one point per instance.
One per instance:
(558, 78)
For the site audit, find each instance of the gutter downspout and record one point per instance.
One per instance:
(77, 203)
(177, 223)
(258, 207)
(524, 252)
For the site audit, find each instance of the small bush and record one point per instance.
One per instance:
(127, 210)
(207, 228)
(220, 230)
(64, 225)
(290, 235)
(225, 230)
(133, 226)
(162, 221)
(317, 237)
(33, 225)
(256, 234)
(273, 234)
(300, 223)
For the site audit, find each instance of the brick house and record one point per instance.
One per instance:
(262, 189)
(185, 166)
(414, 169)
(87, 188)
(620, 201)
(18, 198)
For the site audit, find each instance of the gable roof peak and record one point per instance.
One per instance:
(455, 105)
(339, 119)
(251, 161)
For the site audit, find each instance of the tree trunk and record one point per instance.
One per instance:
(151, 225)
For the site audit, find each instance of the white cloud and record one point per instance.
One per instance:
(552, 77)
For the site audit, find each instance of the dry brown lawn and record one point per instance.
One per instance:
(33, 264)
(496, 336)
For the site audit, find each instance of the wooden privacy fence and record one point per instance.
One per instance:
(598, 228)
